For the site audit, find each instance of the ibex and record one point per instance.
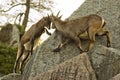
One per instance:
(30, 36)
(72, 29)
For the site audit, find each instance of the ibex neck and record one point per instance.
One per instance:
(41, 24)
(60, 24)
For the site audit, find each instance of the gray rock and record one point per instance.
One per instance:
(9, 34)
(105, 61)
(5, 33)
(116, 77)
(12, 76)
(44, 59)
(77, 68)
(15, 36)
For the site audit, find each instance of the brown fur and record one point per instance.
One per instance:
(72, 29)
(30, 36)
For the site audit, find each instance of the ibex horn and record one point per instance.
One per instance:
(51, 11)
(60, 17)
(57, 14)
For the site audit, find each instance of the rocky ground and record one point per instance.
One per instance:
(101, 63)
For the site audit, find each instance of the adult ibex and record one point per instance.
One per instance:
(30, 36)
(72, 29)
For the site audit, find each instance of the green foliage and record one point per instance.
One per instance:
(7, 58)
(20, 28)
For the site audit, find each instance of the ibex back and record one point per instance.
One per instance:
(71, 29)
(30, 36)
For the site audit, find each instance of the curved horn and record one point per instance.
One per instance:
(57, 14)
(51, 12)
(60, 17)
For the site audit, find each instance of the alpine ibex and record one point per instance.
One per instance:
(72, 29)
(30, 36)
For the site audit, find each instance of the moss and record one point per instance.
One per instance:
(7, 58)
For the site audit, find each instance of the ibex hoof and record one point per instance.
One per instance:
(56, 50)
(84, 51)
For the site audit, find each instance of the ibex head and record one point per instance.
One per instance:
(47, 20)
(54, 18)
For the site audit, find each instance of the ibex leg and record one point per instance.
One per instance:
(19, 54)
(24, 57)
(62, 44)
(105, 32)
(92, 38)
(32, 45)
(108, 39)
(78, 42)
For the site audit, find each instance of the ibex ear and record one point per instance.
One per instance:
(51, 13)
(52, 18)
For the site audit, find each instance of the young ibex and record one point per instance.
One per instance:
(72, 29)
(30, 36)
